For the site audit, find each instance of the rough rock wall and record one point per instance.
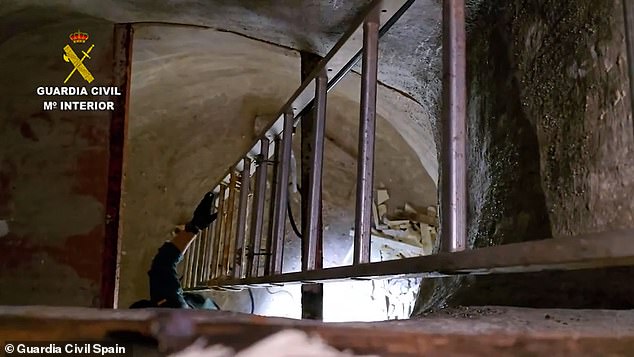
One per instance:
(53, 164)
(551, 145)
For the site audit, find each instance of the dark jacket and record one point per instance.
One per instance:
(165, 286)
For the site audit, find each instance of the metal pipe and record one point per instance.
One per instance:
(628, 11)
(218, 236)
(209, 249)
(201, 256)
(221, 235)
(257, 213)
(453, 194)
(187, 270)
(367, 124)
(204, 235)
(593, 250)
(242, 218)
(228, 237)
(210, 241)
(281, 198)
(311, 228)
(211, 237)
(274, 204)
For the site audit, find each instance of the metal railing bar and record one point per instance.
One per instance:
(245, 179)
(606, 249)
(281, 196)
(227, 256)
(367, 132)
(218, 234)
(311, 231)
(273, 203)
(257, 217)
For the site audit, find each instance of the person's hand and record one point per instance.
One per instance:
(202, 217)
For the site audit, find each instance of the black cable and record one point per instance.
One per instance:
(252, 300)
(268, 290)
(292, 219)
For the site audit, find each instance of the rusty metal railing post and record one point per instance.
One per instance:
(222, 216)
(257, 213)
(311, 228)
(367, 124)
(215, 256)
(200, 262)
(187, 269)
(209, 239)
(281, 195)
(193, 248)
(242, 218)
(453, 195)
(227, 254)
(273, 205)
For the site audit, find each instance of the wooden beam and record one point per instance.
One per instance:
(169, 330)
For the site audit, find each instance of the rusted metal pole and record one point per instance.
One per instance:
(273, 206)
(257, 213)
(222, 216)
(227, 257)
(312, 294)
(202, 237)
(453, 195)
(111, 252)
(242, 218)
(281, 199)
(209, 239)
(218, 235)
(367, 124)
(200, 266)
(187, 269)
(628, 11)
(211, 236)
(311, 228)
(194, 247)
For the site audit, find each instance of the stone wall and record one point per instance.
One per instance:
(551, 145)
(53, 164)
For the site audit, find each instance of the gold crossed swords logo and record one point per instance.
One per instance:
(71, 56)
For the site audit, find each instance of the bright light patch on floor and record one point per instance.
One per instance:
(371, 300)
(353, 300)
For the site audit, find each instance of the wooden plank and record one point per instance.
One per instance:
(168, 330)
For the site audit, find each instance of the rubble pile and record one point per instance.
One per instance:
(408, 225)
